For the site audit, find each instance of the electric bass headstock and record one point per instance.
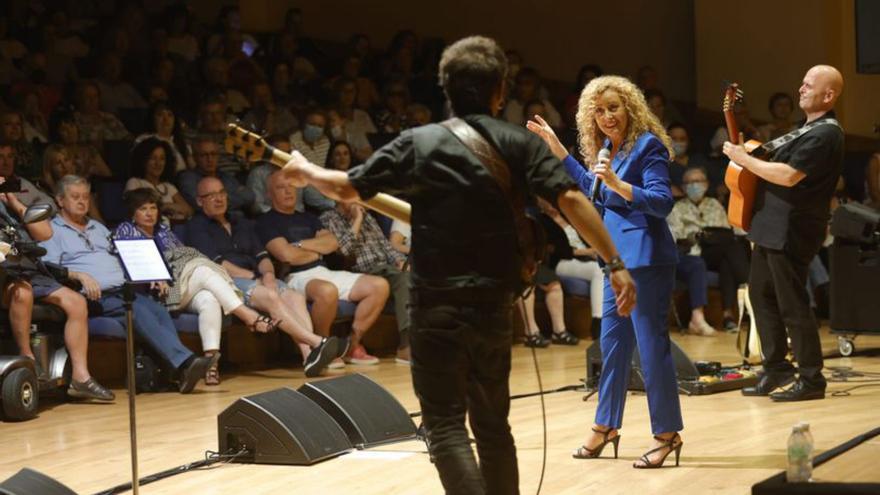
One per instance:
(246, 145)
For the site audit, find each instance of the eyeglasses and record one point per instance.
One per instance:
(214, 195)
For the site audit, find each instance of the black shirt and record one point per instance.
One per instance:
(293, 227)
(463, 233)
(241, 248)
(795, 218)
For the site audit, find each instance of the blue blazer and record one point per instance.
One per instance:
(638, 227)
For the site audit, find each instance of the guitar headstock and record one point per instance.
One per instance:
(245, 144)
(732, 95)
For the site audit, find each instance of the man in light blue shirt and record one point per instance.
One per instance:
(83, 246)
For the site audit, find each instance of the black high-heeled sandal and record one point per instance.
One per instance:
(564, 338)
(536, 340)
(667, 444)
(584, 452)
(271, 324)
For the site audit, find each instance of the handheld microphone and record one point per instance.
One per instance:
(604, 154)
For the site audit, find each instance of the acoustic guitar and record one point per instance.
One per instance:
(250, 146)
(741, 182)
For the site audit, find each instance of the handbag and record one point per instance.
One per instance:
(530, 235)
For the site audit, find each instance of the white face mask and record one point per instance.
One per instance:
(680, 148)
(695, 191)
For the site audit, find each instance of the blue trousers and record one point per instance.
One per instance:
(646, 326)
(692, 271)
(152, 324)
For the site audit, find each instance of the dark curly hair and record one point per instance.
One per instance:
(136, 198)
(140, 155)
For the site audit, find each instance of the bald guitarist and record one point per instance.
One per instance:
(791, 213)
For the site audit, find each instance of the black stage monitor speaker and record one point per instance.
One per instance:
(281, 426)
(684, 367)
(366, 411)
(30, 482)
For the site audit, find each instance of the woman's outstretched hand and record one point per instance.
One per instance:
(540, 127)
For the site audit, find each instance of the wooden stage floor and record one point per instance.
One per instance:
(730, 441)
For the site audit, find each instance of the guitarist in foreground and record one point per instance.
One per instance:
(791, 214)
(467, 256)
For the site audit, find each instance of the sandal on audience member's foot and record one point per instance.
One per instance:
(212, 375)
(565, 338)
(267, 324)
(536, 340)
(88, 390)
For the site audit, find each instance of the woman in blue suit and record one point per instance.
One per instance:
(634, 198)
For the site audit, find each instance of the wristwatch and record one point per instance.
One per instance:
(298, 244)
(613, 265)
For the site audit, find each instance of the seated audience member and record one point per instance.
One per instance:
(27, 280)
(314, 144)
(549, 283)
(260, 171)
(585, 74)
(391, 118)
(201, 286)
(116, 94)
(232, 243)
(30, 194)
(95, 126)
(265, 115)
(648, 79)
(781, 107)
(345, 96)
(401, 233)
(700, 249)
(164, 124)
(746, 127)
(418, 114)
(365, 249)
(527, 88)
(86, 158)
(12, 132)
(367, 95)
(83, 246)
(206, 154)
(56, 164)
(685, 158)
(35, 124)
(339, 131)
(216, 73)
(657, 103)
(299, 241)
(532, 108)
(212, 126)
(579, 261)
(150, 169)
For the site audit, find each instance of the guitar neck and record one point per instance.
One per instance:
(732, 128)
(383, 203)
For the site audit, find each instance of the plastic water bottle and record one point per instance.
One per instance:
(800, 454)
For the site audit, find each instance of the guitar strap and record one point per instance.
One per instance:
(781, 141)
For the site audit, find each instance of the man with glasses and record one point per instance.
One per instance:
(207, 153)
(702, 249)
(232, 243)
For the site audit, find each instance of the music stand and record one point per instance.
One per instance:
(143, 263)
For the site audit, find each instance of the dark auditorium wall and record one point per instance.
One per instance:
(768, 46)
(554, 36)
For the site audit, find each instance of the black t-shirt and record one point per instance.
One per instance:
(292, 227)
(795, 218)
(463, 233)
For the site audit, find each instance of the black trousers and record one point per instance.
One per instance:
(461, 365)
(777, 288)
(731, 261)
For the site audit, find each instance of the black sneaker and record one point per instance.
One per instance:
(321, 356)
(536, 340)
(344, 344)
(89, 390)
(565, 338)
(194, 370)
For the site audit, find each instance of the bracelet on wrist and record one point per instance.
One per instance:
(613, 265)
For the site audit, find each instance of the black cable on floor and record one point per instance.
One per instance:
(210, 458)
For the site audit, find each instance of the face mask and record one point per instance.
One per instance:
(695, 191)
(679, 148)
(337, 132)
(312, 133)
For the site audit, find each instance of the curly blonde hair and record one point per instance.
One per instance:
(640, 119)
